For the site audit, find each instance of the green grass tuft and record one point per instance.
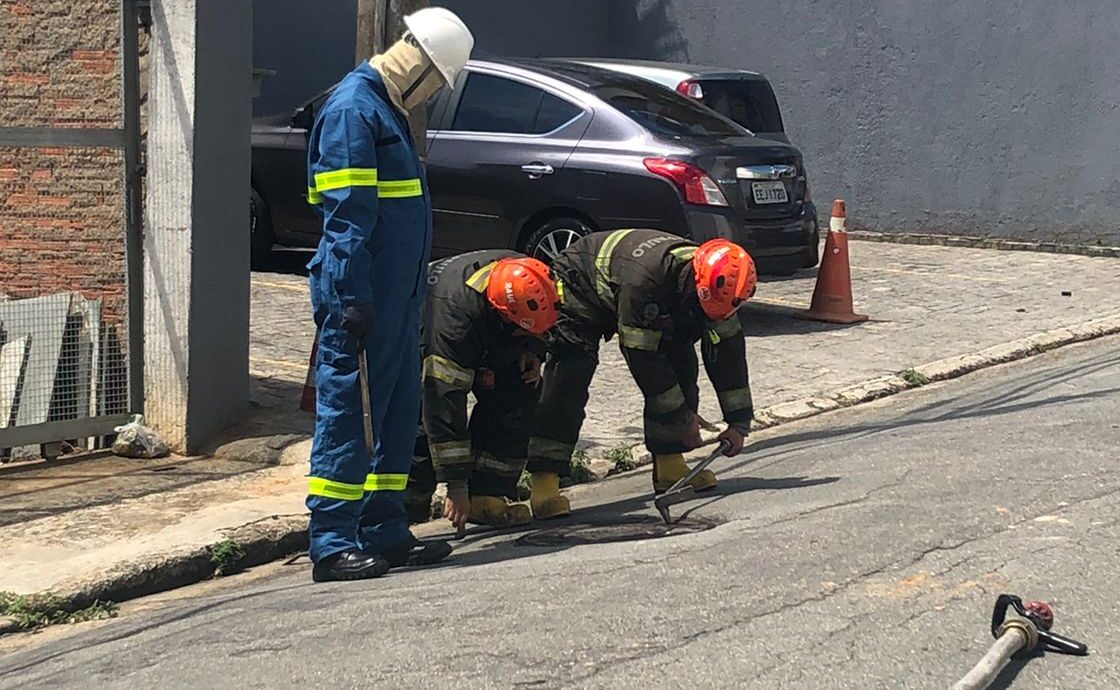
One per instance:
(226, 556)
(32, 611)
(914, 378)
(621, 458)
(581, 467)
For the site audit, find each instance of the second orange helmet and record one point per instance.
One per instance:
(522, 291)
(725, 277)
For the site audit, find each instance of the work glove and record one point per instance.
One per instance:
(357, 320)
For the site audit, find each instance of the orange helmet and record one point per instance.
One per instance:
(725, 277)
(523, 293)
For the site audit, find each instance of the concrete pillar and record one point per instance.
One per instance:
(196, 236)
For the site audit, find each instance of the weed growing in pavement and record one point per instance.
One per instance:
(914, 378)
(33, 611)
(525, 486)
(581, 467)
(621, 458)
(226, 556)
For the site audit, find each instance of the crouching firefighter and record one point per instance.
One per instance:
(660, 294)
(482, 317)
(367, 290)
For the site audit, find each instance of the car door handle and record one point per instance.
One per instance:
(535, 170)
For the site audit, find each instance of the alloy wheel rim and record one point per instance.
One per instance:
(555, 242)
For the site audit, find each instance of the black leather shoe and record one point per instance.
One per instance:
(418, 553)
(349, 565)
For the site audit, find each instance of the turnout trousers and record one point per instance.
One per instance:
(500, 424)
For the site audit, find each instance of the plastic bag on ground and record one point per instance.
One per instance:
(134, 440)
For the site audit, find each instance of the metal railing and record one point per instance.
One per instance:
(71, 294)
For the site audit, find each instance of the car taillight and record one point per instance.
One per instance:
(692, 89)
(693, 182)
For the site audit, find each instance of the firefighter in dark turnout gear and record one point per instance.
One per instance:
(481, 315)
(660, 294)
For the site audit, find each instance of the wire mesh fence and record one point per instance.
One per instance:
(68, 233)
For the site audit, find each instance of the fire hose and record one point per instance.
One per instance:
(1027, 632)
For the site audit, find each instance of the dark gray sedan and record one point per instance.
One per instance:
(533, 154)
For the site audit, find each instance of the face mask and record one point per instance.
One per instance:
(410, 77)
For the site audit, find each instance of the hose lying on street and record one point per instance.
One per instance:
(985, 672)
(1023, 633)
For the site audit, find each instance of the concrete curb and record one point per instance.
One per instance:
(1099, 251)
(262, 541)
(941, 370)
(267, 540)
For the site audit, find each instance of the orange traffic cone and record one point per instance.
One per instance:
(307, 398)
(832, 298)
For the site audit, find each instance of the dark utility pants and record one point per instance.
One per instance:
(500, 424)
(564, 394)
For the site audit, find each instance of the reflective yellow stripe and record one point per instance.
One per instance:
(603, 264)
(500, 466)
(560, 291)
(399, 189)
(548, 449)
(639, 338)
(669, 401)
(734, 400)
(347, 177)
(314, 197)
(447, 371)
(386, 482)
(663, 431)
(450, 452)
(725, 329)
(683, 253)
(327, 488)
(480, 278)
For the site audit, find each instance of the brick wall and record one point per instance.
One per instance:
(61, 210)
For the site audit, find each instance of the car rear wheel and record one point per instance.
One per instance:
(547, 241)
(261, 238)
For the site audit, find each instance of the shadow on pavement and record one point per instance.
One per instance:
(980, 405)
(985, 403)
(631, 511)
(1007, 676)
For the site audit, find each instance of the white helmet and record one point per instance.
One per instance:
(443, 37)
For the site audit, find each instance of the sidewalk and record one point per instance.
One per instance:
(99, 524)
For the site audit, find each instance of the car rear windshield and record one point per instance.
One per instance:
(749, 102)
(663, 112)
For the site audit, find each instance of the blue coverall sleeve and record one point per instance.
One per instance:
(342, 176)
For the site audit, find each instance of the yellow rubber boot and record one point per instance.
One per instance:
(668, 469)
(546, 500)
(519, 514)
(488, 510)
(498, 512)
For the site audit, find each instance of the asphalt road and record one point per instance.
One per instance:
(861, 550)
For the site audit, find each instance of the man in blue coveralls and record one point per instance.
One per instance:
(367, 289)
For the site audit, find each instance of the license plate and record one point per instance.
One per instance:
(769, 193)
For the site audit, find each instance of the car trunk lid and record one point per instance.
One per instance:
(761, 179)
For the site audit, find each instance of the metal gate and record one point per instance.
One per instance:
(71, 349)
